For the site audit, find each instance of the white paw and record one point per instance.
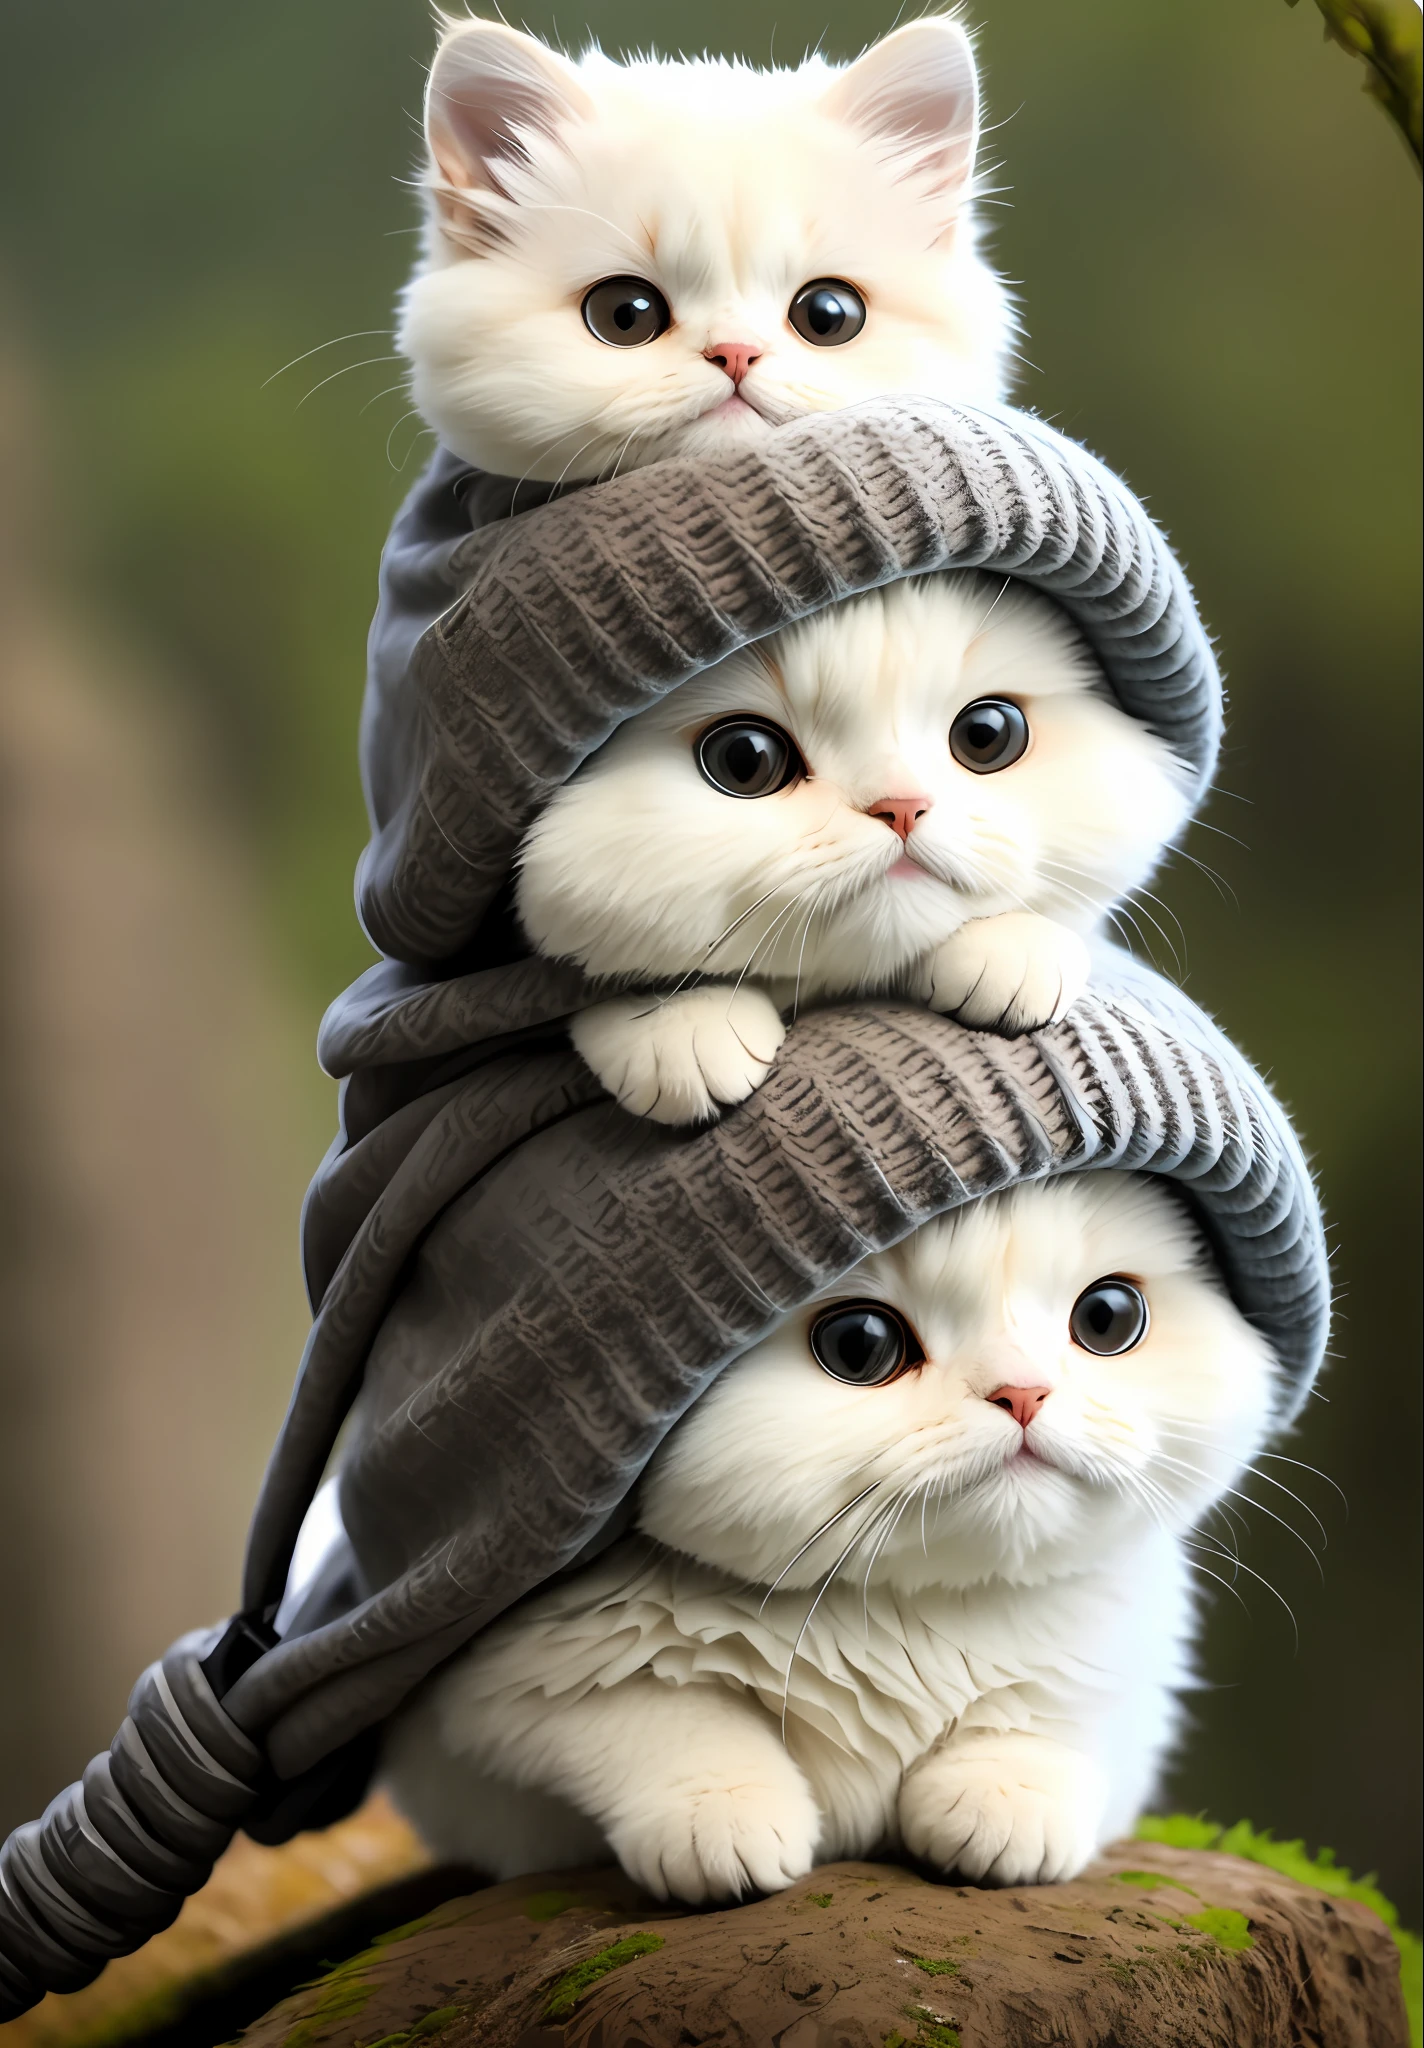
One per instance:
(722, 1837)
(680, 1059)
(1004, 1809)
(1013, 973)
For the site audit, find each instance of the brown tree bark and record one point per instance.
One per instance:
(1152, 1948)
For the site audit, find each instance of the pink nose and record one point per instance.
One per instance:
(900, 813)
(1023, 1403)
(735, 357)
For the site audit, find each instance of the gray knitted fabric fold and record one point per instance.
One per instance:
(529, 1286)
(551, 628)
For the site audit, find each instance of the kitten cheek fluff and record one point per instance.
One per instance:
(919, 1576)
(1003, 1448)
(643, 867)
(717, 195)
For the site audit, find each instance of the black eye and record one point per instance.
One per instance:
(1109, 1317)
(864, 1343)
(988, 735)
(748, 757)
(827, 312)
(626, 311)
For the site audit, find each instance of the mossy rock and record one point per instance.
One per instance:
(1155, 1944)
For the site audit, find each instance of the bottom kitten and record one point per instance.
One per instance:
(912, 1575)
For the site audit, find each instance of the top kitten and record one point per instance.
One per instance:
(626, 262)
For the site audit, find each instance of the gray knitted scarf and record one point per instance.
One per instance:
(518, 1287)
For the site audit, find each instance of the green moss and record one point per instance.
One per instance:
(573, 1985)
(433, 2023)
(932, 1967)
(344, 1991)
(341, 1997)
(818, 1898)
(1292, 1859)
(932, 2032)
(407, 1927)
(1152, 1881)
(549, 1905)
(1227, 1929)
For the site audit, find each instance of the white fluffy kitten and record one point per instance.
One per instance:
(926, 791)
(917, 1577)
(626, 262)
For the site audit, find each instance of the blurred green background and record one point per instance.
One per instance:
(1216, 239)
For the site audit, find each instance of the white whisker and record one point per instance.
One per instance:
(812, 1541)
(365, 364)
(358, 334)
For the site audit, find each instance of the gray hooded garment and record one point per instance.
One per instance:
(519, 1286)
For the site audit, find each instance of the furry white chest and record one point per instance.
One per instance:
(860, 1684)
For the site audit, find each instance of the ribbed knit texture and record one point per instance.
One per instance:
(558, 624)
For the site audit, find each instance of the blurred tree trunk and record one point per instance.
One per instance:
(155, 1136)
(1386, 34)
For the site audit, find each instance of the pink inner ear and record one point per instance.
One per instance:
(919, 88)
(488, 84)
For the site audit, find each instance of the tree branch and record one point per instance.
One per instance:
(1386, 36)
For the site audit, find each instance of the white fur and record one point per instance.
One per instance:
(322, 1533)
(976, 1661)
(640, 870)
(676, 1061)
(727, 188)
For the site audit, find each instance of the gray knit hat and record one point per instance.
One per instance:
(552, 627)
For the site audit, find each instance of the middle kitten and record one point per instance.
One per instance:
(926, 792)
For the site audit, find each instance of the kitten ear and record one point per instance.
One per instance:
(490, 87)
(917, 89)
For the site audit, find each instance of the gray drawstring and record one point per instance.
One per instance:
(115, 1856)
